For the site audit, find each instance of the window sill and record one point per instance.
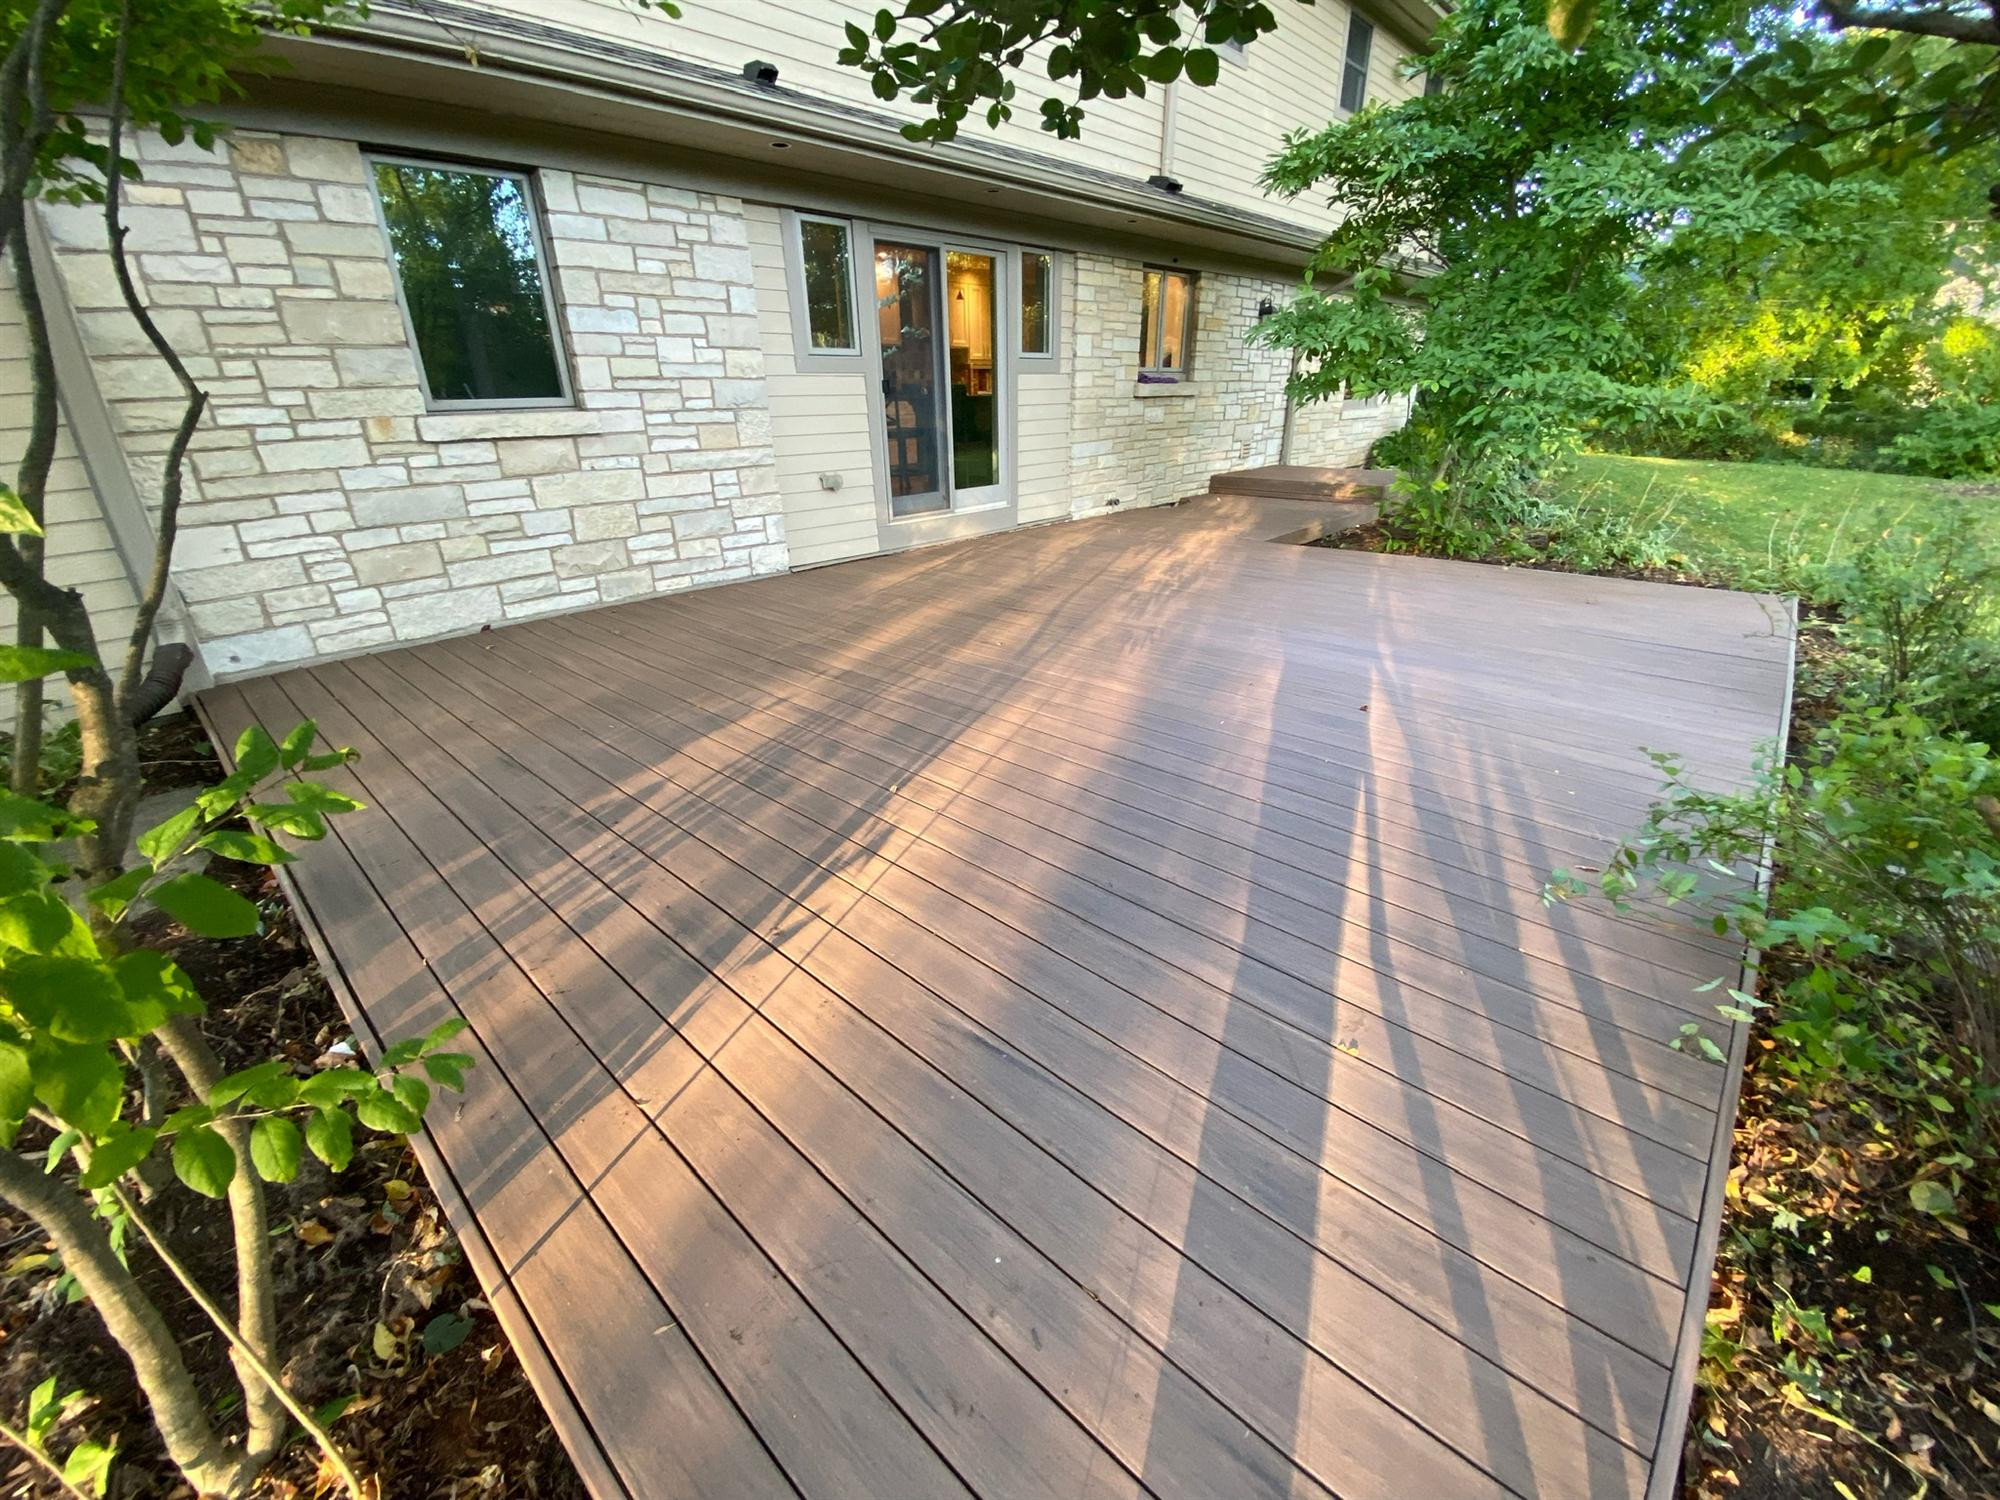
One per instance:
(1154, 390)
(508, 422)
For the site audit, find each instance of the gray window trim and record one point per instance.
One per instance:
(1183, 372)
(1051, 356)
(531, 195)
(1231, 52)
(1358, 26)
(811, 360)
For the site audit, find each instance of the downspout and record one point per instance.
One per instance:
(95, 436)
(1170, 119)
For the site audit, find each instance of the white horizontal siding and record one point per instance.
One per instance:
(819, 422)
(1225, 135)
(804, 37)
(80, 553)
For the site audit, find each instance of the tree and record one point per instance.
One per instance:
(100, 1046)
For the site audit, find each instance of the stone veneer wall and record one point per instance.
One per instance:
(1154, 449)
(1162, 447)
(327, 511)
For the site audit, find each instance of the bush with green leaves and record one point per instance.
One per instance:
(102, 1053)
(1880, 938)
(1954, 438)
(1920, 616)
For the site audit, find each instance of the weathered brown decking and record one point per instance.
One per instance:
(1066, 1014)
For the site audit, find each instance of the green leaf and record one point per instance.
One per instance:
(1931, 1197)
(274, 1148)
(26, 663)
(58, 1149)
(413, 1092)
(257, 1081)
(298, 744)
(42, 922)
(1203, 67)
(80, 1085)
(447, 1069)
(114, 896)
(206, 906)
(299, 822)
(326, 1089)
(446, 1332)
(163, 840)
(20, 870)
(72, 999)
(15, 518)
(118, 1153)
(17, 1090)
(203, 1160)
(88, 1466)
(319, 798)
(27, 821)
(152, 982)
(250, 848)
(331, 1136)
(383, 1111)
(444, 1031)
(256, 754)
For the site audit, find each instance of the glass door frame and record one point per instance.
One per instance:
(967, 511)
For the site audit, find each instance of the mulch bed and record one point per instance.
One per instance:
(370, 1278)
(1378, 536)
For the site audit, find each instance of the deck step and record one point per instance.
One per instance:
(1303, 482)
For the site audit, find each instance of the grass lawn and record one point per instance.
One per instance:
(1731, 517)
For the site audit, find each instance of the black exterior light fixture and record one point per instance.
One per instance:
(1265, 307)
(1164, 183)
(759, 71)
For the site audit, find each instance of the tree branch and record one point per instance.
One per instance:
(172, 478)
(1944, 21)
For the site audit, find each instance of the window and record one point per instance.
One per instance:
(1166, 332)
(828, 265)
(470, 268)
(1433, 83)
(1354, 72)
(1230, 52)
(1038, 296)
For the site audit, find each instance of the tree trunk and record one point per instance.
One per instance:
(208, 1463)
(256, 1303)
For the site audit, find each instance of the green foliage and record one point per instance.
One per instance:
(956, 58)
(1921, 617)
(76, 1006)
(1953, 438)
(1881, 935)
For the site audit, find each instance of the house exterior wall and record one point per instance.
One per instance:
(78, 549)
(1219, 135)
(327, 511)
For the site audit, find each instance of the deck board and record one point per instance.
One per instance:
(1065, 1014)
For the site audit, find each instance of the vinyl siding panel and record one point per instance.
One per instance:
(804, 37)
(80, 552)
(819, 422)
(1289, 81)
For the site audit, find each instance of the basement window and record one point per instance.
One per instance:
(471, 275)
(1166, 328)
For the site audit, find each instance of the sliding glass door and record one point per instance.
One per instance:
(939, 317)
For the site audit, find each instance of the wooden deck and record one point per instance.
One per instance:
(1067, 1014)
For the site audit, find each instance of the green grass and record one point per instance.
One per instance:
(1739, 518)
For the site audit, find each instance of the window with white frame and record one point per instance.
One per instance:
(1354, 70)
(1166, 329)
(826, 261)
(472, 278)
(1230, 52)
(1038, 303)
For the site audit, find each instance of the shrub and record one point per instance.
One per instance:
(1881, 936)
(1955, 438)
(1923, 629)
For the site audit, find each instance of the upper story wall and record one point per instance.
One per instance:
(1215, 141)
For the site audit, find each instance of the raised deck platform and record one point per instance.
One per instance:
(1068, 1014)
